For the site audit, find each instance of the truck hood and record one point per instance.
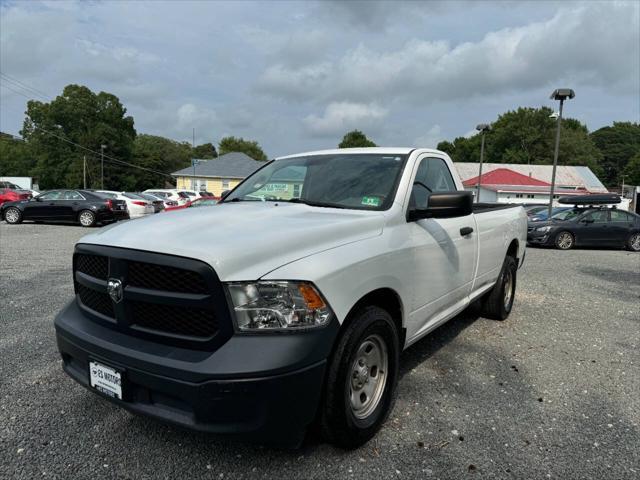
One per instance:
(243, 241)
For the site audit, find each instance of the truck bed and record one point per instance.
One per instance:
(488, 206)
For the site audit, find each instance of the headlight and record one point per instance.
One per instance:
(268, 306)
(543, 229)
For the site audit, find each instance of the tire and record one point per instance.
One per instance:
(359, 391)
(87, 218)
(564, 240)
(13, 215)
(498, 303)
(633, 243)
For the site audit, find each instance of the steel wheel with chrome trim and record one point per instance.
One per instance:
(361, 378)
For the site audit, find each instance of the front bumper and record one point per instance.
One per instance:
(535, 238)
(264, 388)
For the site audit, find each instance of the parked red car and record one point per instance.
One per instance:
(10, 195)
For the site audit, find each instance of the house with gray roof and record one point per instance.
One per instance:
(217, 174)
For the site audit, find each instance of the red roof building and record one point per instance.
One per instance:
(504, 176)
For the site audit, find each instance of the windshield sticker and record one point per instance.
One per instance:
(370, 201)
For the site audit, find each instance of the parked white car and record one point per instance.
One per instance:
(176, 195)
(288, 309)
(136, 205)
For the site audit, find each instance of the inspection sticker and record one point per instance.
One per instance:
(370, 201)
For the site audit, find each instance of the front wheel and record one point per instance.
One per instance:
(564, 241)
(87, 218)
(13, 215)
(361, 379)
(633, 243)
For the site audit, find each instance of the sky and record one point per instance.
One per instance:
(296, 76)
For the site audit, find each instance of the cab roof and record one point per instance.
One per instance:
(370, 150)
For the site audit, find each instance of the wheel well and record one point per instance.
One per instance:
(386, 299)
(512, 251)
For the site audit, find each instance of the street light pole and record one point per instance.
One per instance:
(102, 147)
(560, 94)
(482, 128)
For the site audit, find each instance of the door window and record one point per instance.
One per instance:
(53, 195)
(71, 195)
(433, 176)
(601, 216)
(619, 216)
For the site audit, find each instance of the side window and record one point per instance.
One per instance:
(619, 216)
(72, 195)
(600, 216)
(435, 175)
(54, 195)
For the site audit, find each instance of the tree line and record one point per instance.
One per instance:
(527, 135)
(58, 136)
(62, 137)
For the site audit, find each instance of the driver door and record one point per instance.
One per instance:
(443, 259)
(42, 207)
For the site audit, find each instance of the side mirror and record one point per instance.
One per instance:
(224, 194)
(444, 205)
(588, 220)
(36, 199)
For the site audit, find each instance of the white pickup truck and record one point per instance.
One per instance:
(293, 302)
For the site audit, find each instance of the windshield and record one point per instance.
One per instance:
(354, 181)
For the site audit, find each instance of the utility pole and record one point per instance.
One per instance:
(560, 94)
(622, 191)
(482, 128)
(193, 161)
(84, 172)
(102, 147)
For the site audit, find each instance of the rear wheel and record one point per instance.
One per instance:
(499, 301)
(361, 379)
(633, 243)
(13, 215)
(564, 241)
(87, 218)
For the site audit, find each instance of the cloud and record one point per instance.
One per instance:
(430, 138)
(379, 14)
(340, 117)
(575, 46)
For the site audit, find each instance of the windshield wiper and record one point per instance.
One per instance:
(314, 204)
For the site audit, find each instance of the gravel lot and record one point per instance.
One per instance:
(553, 392)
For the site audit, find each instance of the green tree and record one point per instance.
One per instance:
(527, 135)
(160, 154)
(355, 139)
(15, 158)
(87, 119)
(238, 144)
(632, 171)
(206, 150)
(618, 143)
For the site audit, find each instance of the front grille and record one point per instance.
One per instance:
(162, 277)
(95, 266)
(187, 321)
(172, 300)
(98, 301)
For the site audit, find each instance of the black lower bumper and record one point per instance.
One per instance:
(221, 392)
(545, 239)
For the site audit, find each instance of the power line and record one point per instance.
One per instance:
(19, 84)
(109, 159)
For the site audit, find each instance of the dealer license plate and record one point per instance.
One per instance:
(105, 379)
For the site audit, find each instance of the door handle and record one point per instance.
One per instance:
(464, 231)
